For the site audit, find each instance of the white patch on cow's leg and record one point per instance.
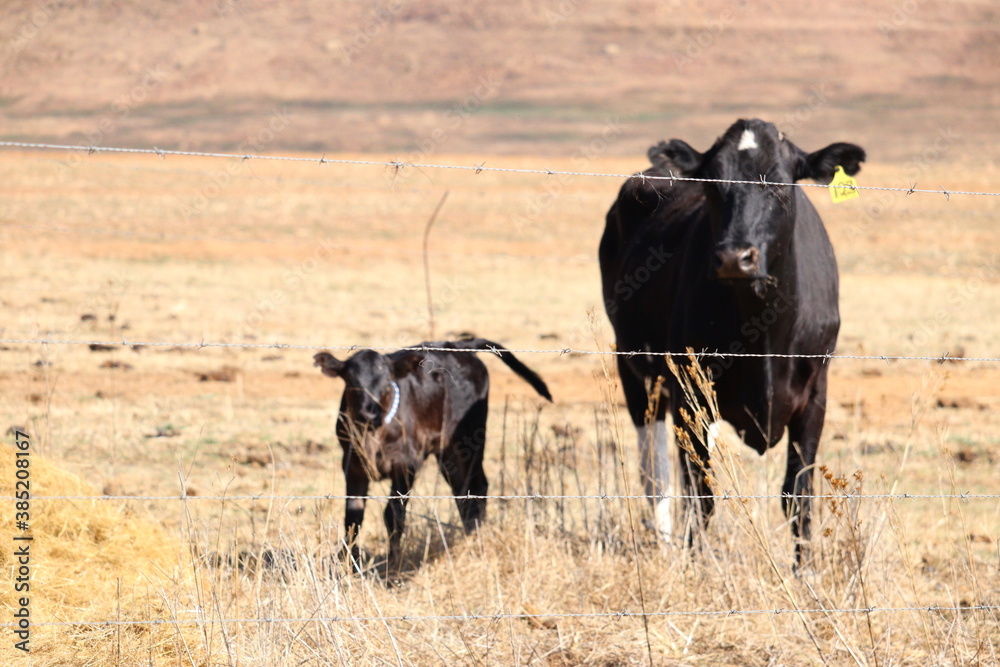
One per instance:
(655, 467)
(355, 504)
(747, 141)
(714, 430)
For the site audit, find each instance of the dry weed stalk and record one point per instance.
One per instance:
(699, 394)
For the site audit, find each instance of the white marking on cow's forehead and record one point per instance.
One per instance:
(747, 141)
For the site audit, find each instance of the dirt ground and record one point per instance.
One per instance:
(311, 256)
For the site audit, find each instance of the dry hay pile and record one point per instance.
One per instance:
(92, 561)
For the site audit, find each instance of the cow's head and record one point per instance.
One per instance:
(752, 223)
(371, 384)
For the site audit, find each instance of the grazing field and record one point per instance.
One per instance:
(184, 251)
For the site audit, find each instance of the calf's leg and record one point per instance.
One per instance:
(354, 514)
(461, 463)
(395, 511)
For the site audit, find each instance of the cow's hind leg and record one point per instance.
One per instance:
(804, 430)
(649, 418)
(461, 463)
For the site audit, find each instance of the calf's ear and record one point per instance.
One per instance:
(821, 165)
(330, 365)
(675, 154)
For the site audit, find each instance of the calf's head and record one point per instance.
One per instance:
(371, 390)
(752, 223)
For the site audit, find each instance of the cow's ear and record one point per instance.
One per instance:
(330, 365)
(408, 363)
(821, 165)
(675, 154)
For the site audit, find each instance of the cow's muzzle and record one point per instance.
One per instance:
(737, 263)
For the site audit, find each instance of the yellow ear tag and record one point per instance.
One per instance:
(842, 187)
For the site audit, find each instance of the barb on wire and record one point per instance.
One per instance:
(616, 615)
(398, 165)
(562, 351)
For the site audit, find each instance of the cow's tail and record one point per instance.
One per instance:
(530, 376)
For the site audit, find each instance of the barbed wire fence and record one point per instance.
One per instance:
(498, 616)
(911, 189)
(964, 497)
(430, 348)
(477, 168)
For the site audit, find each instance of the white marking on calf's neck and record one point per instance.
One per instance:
(747, 141)
(395, 405)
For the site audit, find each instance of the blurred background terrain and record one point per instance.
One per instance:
(521, 78)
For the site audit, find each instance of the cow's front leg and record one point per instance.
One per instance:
(648, 413)
(804, 432)
(654, 467)
(395, 511)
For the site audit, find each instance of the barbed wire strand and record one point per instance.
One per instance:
(425, 348)
(616, 615)
(965, 497)
(399, 165)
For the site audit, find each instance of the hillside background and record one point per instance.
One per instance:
(412, 79)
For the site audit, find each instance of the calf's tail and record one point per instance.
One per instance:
(530, 376)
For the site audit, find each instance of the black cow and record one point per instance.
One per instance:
(730, 268)
(399, 408)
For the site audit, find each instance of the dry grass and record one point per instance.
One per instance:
(917, 279)
(513, 581)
